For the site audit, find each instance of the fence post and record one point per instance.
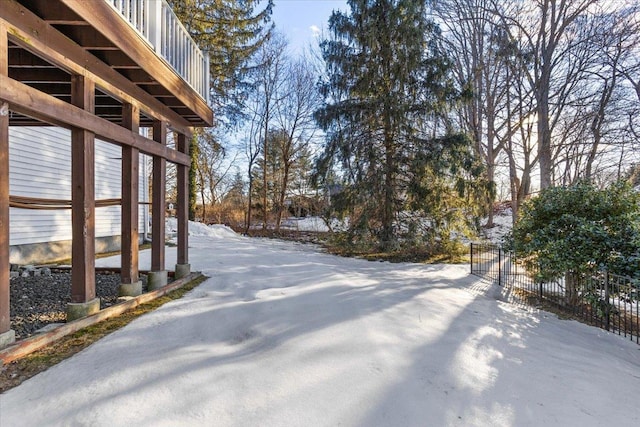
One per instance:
(607, 308)
(499, 266)
(471, 249)
(541, 292)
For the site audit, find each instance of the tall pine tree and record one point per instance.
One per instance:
(386, 90)
(231, 31)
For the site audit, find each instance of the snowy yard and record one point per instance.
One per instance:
(283, 335)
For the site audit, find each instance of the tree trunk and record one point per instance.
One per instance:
(283, 194)
(264, 167)
(571, 288)
(491, 198)
(597, 123)
(389, 191)
(204, 206)
(264, 190)
(250, 202)
(544, 134)
(514, 185)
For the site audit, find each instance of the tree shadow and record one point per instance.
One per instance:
(391, 344)
(231, 318)
(509, 368)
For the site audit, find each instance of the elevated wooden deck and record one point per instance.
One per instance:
(169, 76)
(103, 69)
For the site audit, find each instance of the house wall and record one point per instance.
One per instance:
(40, 166)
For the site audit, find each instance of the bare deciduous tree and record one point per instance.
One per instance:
(296, 122)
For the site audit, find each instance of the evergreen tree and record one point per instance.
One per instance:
(193, 187)
(386, 90)
(231, 31)
(236, 194)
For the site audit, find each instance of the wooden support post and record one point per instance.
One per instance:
(83, 205)
(182, 267)
(158, 275)
(7, 336)
(130, 285)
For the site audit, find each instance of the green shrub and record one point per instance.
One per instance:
(580, 229)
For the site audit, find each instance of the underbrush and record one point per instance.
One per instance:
(440, 252)
(342, 244)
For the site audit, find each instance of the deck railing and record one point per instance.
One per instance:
(161, 28)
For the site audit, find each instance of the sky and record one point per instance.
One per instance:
(282, 334)
(303, 20)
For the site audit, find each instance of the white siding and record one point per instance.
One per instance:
(40, 166)
(108, 186)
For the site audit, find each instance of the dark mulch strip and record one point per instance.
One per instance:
(37, 301)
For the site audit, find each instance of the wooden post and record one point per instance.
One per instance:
(158, 275)
(182, 267)
(7, 336)
(83, 205)
(4, 217)
(130, 284)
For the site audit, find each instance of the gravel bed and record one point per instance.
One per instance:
(37, 301)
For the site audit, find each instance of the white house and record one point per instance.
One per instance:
(40, 167)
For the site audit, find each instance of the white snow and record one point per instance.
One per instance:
(282, 335)
(503, 223)
(312, 223)
(217, 231)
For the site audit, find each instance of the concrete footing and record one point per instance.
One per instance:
(77, 310)
(7, 338)
(130, 289)
(157, 279)
(182, 270)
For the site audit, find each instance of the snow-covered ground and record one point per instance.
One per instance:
(503, 223)
(282, 335)
(312, 223)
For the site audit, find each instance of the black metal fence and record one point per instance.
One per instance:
(606, 300)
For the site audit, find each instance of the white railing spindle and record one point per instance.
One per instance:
(158, 25)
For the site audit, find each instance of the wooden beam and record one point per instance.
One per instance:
(109, 23)
(130, 183)
(34, 34)
(183, 203)
(39, 75)
(156, 90)
(114, 58)
(138, 76)
(54, 13)
(83, 204)
(65, 22)
(85, 35)
(158, 202)
(31, 102)
(53, 89)
(21, 58)
(108, 110)
(5, 323)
